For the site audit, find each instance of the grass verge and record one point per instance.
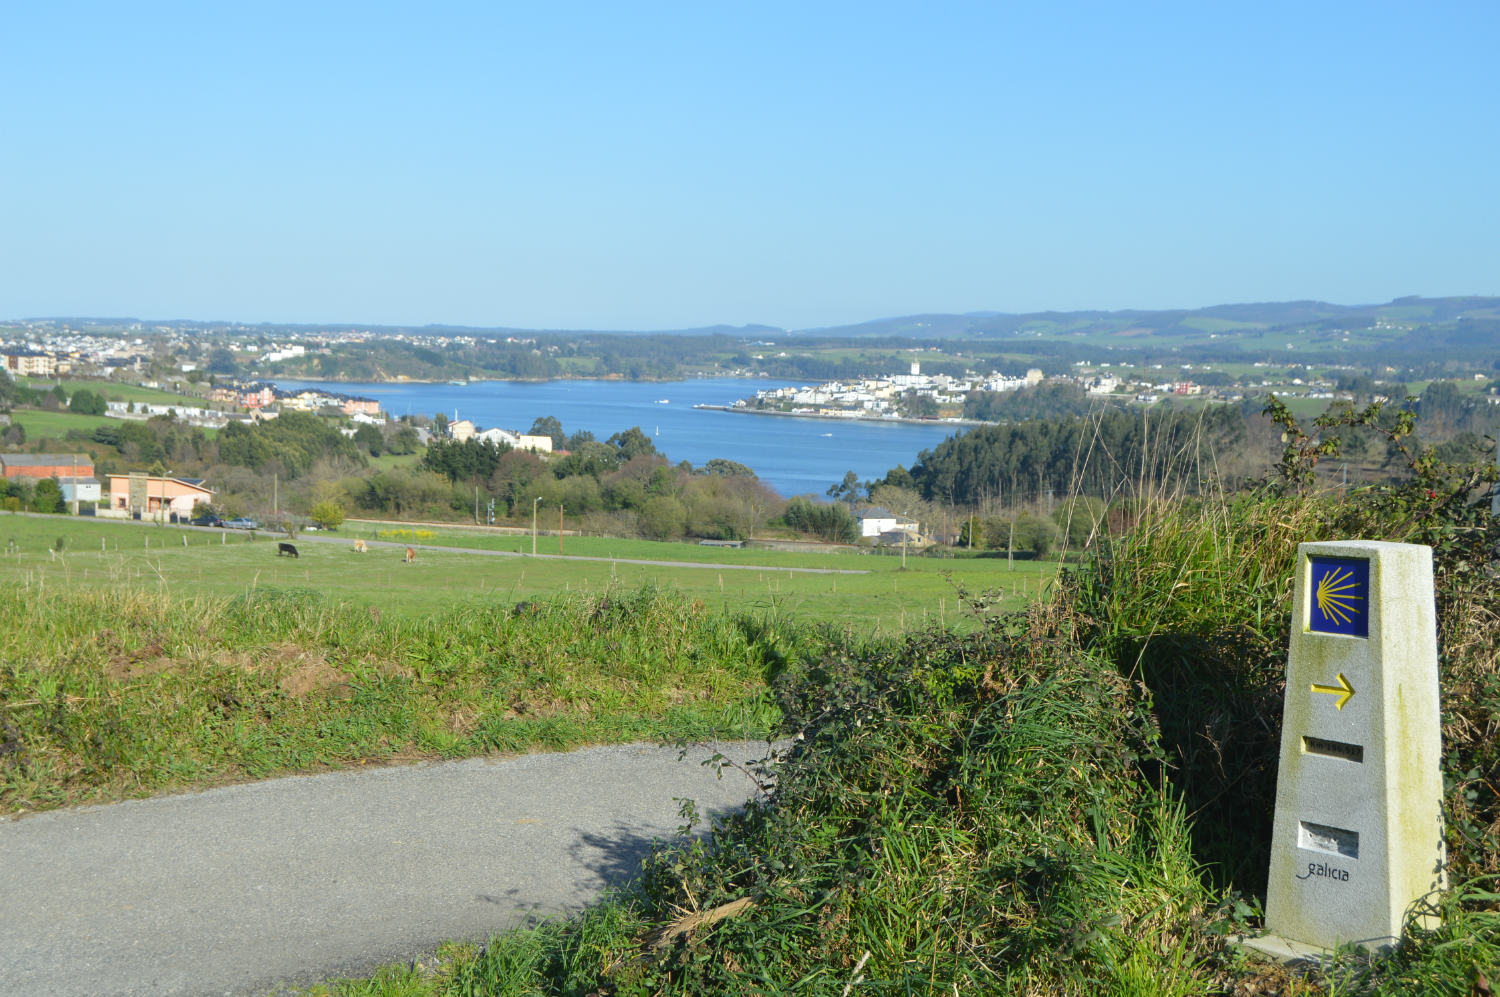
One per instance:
(120, 693)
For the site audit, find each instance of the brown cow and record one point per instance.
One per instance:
(411, 555)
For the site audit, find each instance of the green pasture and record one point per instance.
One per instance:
(881, 598)
(389, 461)
(42, 425)
(1208, 323)
(517, 539)
(116, 392)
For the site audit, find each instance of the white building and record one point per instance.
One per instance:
(875, 520)
(80, 489)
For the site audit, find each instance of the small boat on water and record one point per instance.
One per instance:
(461, 384)
(664, 401)
(825, 434)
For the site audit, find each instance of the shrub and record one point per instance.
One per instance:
(87, 402)
(1080, 520)
(831, 523)
(662, 518)
(327, 515)
(1036, 534)
(47, 497)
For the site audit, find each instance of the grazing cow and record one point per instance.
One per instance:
(286, 548)
(359, 547)
(411, 555)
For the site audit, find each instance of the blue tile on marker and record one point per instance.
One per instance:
(1340, 596)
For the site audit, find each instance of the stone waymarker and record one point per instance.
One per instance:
(1359, 830)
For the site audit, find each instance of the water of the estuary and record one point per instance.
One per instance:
(794, 456)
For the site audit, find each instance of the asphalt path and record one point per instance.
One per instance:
(252, 888)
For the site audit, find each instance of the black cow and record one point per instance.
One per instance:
(285, 548)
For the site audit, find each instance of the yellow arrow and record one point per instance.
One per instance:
(1343, 690)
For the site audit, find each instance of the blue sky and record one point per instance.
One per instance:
(648, 166)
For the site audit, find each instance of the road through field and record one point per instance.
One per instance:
(245, 889)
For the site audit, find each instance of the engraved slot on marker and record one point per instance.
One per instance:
(1322, 838)
(1333, 749)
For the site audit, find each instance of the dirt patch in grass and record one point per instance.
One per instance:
(314, 677)
(310, 674)
(147, 661)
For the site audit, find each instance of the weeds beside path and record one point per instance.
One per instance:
(127, 693)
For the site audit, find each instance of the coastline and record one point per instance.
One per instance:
(614, 378)
(843, 418)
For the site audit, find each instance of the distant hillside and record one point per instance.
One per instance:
(1405, 324)
(1426, 337)
(273, 329)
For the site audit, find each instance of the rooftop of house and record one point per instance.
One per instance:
(190, 482)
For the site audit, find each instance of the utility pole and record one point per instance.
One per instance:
(75, 484)
(559, 527)
(1010, 548)
(275, 491)
(476, 505)
(533, 524)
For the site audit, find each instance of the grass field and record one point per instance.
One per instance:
(388, 462)
(55, 425)
(880, 598)
(138, 659)
(116, 392)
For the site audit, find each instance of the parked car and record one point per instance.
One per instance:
(242, 523)
(207, 519)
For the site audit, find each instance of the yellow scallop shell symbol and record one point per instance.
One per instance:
(1335, 600)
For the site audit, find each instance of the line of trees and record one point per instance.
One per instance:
(293, 440)
(621, 485)
(1095, 455)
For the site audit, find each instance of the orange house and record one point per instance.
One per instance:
(144, 495)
